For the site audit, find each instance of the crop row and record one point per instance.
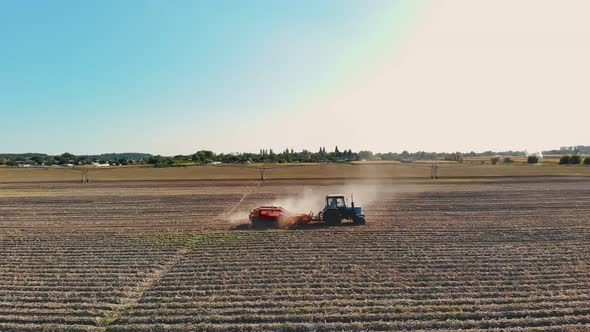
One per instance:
(73, 281)
(369, 278)
(560, 322)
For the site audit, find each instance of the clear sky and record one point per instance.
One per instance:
(172, 77)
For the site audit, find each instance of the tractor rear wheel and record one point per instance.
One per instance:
(332, 217)
(359, 220)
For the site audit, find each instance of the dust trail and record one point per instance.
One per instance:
(228, 215)
(311, 199)
(365, 191)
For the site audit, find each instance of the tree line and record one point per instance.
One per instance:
(204, 157)
(66, 158)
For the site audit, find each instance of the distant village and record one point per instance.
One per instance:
(28, 160)
(64, 165)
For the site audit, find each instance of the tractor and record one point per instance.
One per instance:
(332, 214)
(336, 210)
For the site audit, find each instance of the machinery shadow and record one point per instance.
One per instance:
(247, 226)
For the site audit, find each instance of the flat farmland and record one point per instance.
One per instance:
(163, 253)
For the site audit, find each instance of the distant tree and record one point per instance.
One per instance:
(37, 159)
(494, 160)
(2, 161)
(488, 153)
(153, 160)
(365, 155)
(349, 155)
(67, 156)
(166, 162)
(507, 160)
(195, 158)
(564, 160)
(204, 156)
(575, 159)
(84, 160)
(532, 159)
(587, 160)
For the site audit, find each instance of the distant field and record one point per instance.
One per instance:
(292, 171)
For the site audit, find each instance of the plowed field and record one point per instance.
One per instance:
(169, 255)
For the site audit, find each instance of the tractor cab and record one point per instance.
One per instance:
(336, 210)
(335, 201)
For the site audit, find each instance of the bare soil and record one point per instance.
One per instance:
(164, 255)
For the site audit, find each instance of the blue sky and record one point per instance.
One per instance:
(174, 76)
(97, 76)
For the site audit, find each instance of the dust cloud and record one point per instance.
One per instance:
(312, 199)
(365, 189)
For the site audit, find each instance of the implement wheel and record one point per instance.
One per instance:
(253, 223)
(296, 224)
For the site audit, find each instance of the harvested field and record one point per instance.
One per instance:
(168, 255)
(375, 170)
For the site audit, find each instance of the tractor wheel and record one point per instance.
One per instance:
(359, 220)
(332, 217)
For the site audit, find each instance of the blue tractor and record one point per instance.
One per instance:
(336, 210)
